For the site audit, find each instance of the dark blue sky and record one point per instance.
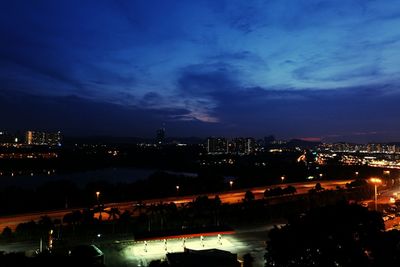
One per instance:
(315, 69)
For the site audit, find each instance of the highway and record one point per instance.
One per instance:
(232, 196)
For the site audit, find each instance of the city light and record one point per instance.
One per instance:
(145, 251)
(375, 180)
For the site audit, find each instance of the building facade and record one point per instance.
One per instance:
(217, 145)
(43, 138)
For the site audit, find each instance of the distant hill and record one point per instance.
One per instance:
(128, 140)
(302, 143)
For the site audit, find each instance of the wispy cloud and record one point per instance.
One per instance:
(278, 66)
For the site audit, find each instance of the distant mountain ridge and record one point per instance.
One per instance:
(105, 139)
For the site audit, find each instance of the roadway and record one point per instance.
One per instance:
(231, 197)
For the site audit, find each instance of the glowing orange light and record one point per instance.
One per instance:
(375, 180)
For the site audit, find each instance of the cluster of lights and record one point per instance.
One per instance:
(33, 155)
(365, 148)
(15, 173)
(372, 161)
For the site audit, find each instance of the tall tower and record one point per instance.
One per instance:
(160, 136)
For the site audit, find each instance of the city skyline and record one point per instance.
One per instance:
(312, 70)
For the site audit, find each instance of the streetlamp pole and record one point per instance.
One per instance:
(376, 197)
(376, 182)
(98, 203)
(97, 197)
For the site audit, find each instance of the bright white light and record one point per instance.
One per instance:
(155, 249)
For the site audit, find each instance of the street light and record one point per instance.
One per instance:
(283, 178)
(231, 184)
(98, 203)
(376, 182)
(51, 239)
(177, 189)
(97, 196)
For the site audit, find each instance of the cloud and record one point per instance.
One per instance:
(305, 112)
(280, 66)
(75, 115)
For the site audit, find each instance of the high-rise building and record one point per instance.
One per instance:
(217, 145)
(242, 145)
(160, 136)
(250, 145)
(268, 140)
(43, 138)
(238, 146)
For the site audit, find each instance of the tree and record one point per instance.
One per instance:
(139, 207)
(113, 213)
(278, 191)
(58, 222)
(273, 192)
(201, 211)
(386, 251)
(217, 207)
(77, 216)
(125, 218)
(248, 196)
(356, 183)
(290, 190)
(27, 229)
(7, 233)
(318, 187)
(248, 260)
(45, 223)
(337, 235)
(87, 216)
(73, 218)
(217, 201)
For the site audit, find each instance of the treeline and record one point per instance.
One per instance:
(66, 194)
(202, 214)
(334, 235)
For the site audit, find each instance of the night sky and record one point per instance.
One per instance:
(320, 70)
